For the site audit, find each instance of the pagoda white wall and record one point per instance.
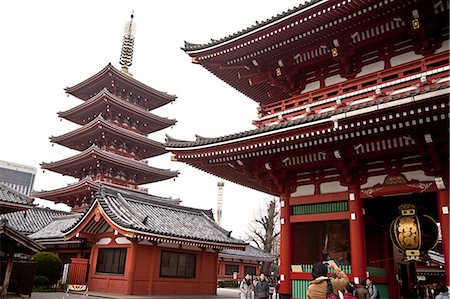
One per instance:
(371, 68)
(405, 57)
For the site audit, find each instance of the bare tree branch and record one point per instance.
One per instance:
(264, 229)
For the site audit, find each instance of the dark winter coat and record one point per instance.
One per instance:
(262, 289)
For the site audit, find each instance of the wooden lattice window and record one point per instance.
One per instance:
(178, 265)
(111, 260)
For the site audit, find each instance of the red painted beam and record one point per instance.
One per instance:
(319, 217)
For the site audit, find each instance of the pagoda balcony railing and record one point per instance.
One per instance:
(394, 80)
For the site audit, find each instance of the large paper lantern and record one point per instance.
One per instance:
(414, 234)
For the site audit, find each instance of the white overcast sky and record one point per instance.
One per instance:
(49, 45)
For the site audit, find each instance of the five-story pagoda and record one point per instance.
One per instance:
(115, 120)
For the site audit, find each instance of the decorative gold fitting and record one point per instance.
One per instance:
(278, 71)
(415, 24)
(407, 209)
(334, 52)
(412, 255)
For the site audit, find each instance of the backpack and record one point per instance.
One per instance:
(330, 293)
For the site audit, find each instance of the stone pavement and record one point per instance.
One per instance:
(221, 294)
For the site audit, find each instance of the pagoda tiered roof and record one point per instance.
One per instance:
(76, 192)
(155, 221)
(101, 103)
(98, 129)
(86, 187)
(118, 82)
(90, 159)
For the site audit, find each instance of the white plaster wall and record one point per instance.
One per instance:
(104, 241)
(311, 86)
(374, 180)
(122, 240)
(304, 190)
(418, 175)
(334, 80)
(405, 57)
(332, 187)
(371, 68)
(444, 47)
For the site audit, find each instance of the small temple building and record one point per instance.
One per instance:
(352, 134)
(235, 264)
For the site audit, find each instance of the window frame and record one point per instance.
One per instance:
(248, 272)
(121, 263)
(190, 264)
(233, 265)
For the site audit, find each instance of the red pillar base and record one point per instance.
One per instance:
(285, 248)
(357, 233)
(444, 219)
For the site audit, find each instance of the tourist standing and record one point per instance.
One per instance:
(246, 287)
(443, 292)
(262, 288)
(272, 284)
(373, 291)
(317, 288)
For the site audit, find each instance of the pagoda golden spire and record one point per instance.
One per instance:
(126, 55)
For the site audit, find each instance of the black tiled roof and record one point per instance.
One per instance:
(250, 253)
(54, 230)
(192, 47)
(159, 218)
(176, 143)
(10, 195)
(31, 220)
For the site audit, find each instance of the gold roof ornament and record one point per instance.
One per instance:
(126, 55)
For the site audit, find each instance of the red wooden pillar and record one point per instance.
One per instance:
(444, 219)
(389, 266)
(130, 267)
(285, 247)
(200, 263)
(357, 233)
(154, 257)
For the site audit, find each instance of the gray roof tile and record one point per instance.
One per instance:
(250, 253)
(54, 229)
(31, 220)
(159, 218)
(10, 195)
